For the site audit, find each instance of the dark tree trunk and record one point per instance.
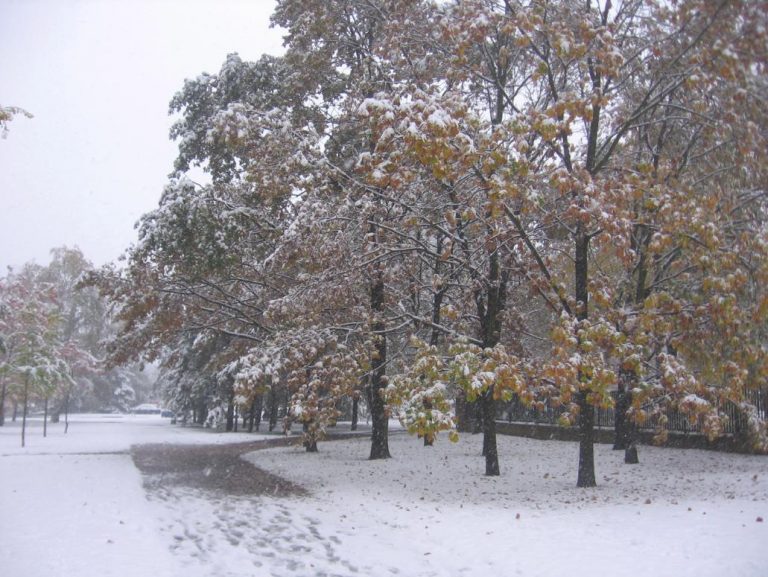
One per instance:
(201, 412)
(272, 409)
(379, 419)
(490, 309)
(251, 417)
(630, 452)
(66, 411)
(310, 439)
(259, 409)
(489, 434)
(355, 412)
(586, 477)
(630, 455)
(465, 423)
(3, 390)
(45, 417)
(586, 442)
(626, 432)
(620, 432)
(476, 414)
(230, 415)
(429, 439)
(24, 413)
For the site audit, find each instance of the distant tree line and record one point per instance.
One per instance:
(53, 334)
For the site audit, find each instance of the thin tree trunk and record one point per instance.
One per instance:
(2, 403)
(286, 402)
(230, 415)
(259, 409)
(45, 417)
(630, 451)
(251, 416)
(66, 410)
(586, 476)
(429, 439)
(272, 409)
(620, 417)
(355, 412)
(24, 414)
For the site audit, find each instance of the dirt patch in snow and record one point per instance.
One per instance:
(212, 467)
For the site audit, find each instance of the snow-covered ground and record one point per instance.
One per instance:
(75, 505)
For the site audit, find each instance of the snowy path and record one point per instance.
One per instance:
(74, 505)
(77, 506)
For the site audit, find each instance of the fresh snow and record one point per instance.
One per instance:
(75, 505)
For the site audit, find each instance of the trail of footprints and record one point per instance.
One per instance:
(260, 532)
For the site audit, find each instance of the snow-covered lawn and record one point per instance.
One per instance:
(75, 505)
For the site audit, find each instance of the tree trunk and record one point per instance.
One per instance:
(310, 439)
(625, 436)
(586, 477)
(630, 455)
(251, 417)
(620, 418)
(429, 439)
(230, 415)
(24, 414)
(630, 450)
(586, 442)
(259, 409)
(45, 417)
(355, 412)
(66, 410)
(272, 409)
(379, 419)
(286, 402)
(465, 423)
(489, 434)
(490, 310)
(2, 402)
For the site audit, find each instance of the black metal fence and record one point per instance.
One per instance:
(517, 412)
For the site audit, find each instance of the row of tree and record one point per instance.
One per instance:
(52, 339)
(437, 206)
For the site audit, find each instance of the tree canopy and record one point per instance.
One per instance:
(442, 206)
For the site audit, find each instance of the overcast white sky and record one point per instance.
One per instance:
(98, 76)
